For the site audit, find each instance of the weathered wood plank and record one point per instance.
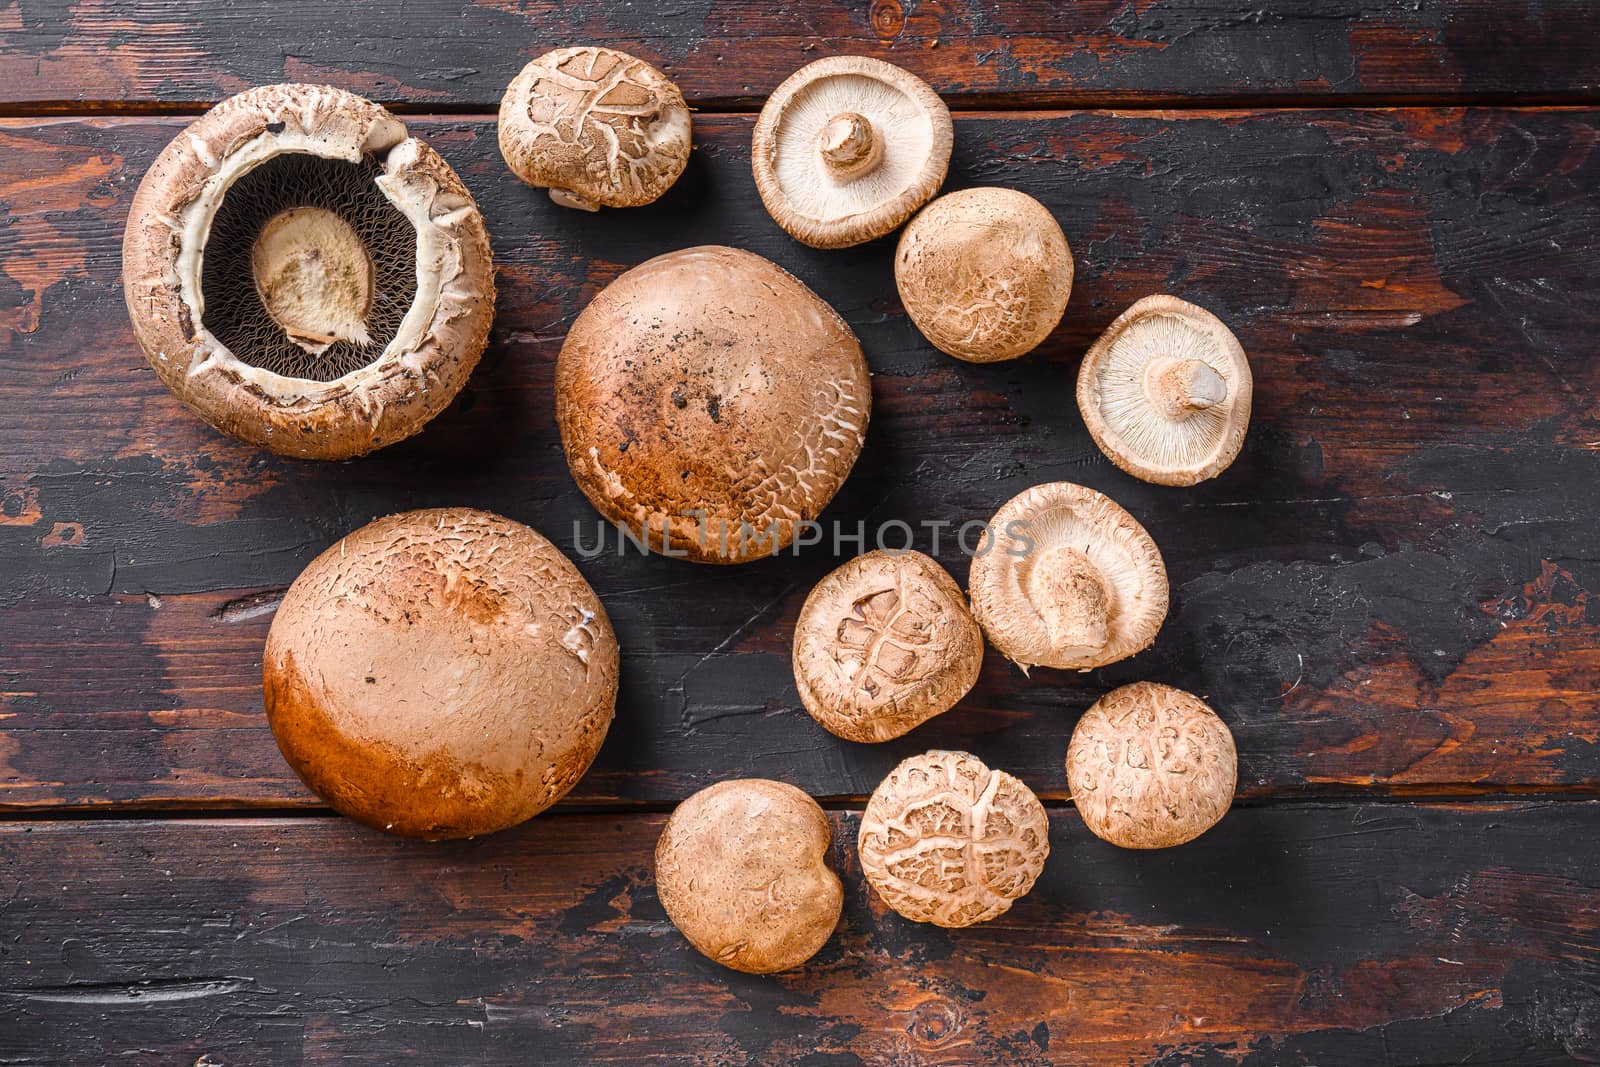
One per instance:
(445, 54)
(1292, 934)
(1392, 589)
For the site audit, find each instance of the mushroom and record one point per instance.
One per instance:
(883, 644)
(1066, 578)
(1151, 766)
(306, 276)
(742, 871)
(847, 148)
(440, 673)
(945, 840)
(1165, 392)
(984, 273)
(595, 126)
(710, 403)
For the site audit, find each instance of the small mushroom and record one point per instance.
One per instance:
(1165, 392)
(847, 148)
(1066, 578)
(440, 673)
(742, 871)
(595, 126)
(710, 403)
(1151, 766)
(883, 644)
(945, 840)
(305, 275)
(984, 273)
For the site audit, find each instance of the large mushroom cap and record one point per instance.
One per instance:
(946, 840)
(306, 276)
(1151, 766)
(440, 673)
(847, 148)
(1165, 392)
(984, 273)
(595, 126)
(884, 644)
(1067, 579)
(710, 402)
(742, 871)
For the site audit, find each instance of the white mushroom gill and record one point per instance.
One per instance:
(901, 135)
(1164, 389)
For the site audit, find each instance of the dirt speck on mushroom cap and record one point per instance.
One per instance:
(742, 872)
(984, 273)
(946, 840)
(1058, 526)
(598, 127)
(1151, 766)
(440, 673)
(710, 402)
(883, 644)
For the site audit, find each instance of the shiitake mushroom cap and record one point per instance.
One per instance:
(1151, 766)
(742, 872)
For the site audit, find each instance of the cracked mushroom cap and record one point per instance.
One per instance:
(440, 673)
(945, 840)
(847, 148)
(883, 644)
(1165, 392)
(305, 275)
(1151, 766)
(742, 871)
(1067, 579)
(710, 403)
(596, 127)
(984, 273)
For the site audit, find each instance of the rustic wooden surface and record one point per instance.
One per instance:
(1391, 597)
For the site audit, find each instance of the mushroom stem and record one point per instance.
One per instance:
(314, 278)
(568, 198)
(1180, 387)
(1070, 594)
(849, 145)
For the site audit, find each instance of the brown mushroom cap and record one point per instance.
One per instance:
(945, 840)
(984, 273)
(847, 148)
(1151, 766)
(710, 402)
(742, 871)
(883, 644)
(1166, 391)
(1067, 579)
(440, 673)
(260, 313)
(595, 126)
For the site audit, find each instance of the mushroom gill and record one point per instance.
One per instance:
(309, 269)
(1070, 580)
(1166, 392)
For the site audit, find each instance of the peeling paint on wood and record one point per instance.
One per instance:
(1392, 933)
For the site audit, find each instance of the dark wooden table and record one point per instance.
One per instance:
(1393, 597)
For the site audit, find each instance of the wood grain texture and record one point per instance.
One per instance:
(447, 54)
(1296, 934)
(1393, 589)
